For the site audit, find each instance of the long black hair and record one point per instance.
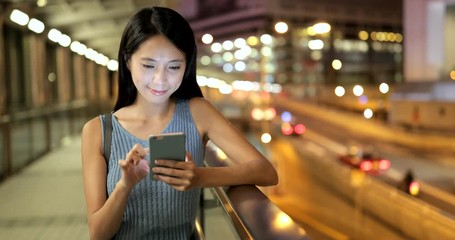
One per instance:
(147, 23)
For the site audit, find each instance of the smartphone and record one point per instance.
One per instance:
(170, 146)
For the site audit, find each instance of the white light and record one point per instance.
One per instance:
(336, 64)
(215, 82)
(228, 45)
(316, 44)
(276, 88)
(101, 59)
(216, 47)
(19, 17)
(36, 25)
(281, 27)
(207, 38)
(320, 28)
(266, 138)
(78, 48)
(368, 113)
(112, 65)
(357, 90)
(227, 67)
(242, 85)
(225, 89)
(41, 3)
(205, 60)
(266, 39)
(339, 91)
(266, 51)
(64, 40)
(91, 54)
(54, 35)
(384, 88)
(239, 42)
(243, 52)
(201, 80)
(240, 66)
(228, 56)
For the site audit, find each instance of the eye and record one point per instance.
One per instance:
(175, 68)
(148, 66)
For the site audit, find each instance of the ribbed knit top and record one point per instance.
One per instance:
(154, 209)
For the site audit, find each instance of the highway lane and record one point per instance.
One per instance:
(320, 210)
(437, 179)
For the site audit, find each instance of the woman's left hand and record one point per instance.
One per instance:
(181, 175)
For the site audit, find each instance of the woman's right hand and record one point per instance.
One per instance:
(134, 167)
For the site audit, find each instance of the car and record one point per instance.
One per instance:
(292, 128)
(289, 125)
(368, 161)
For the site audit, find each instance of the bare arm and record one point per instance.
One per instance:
(250, 167)
(104, 215)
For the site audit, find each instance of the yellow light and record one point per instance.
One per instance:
(282, 220)
(363, 35)
(252, 40)
(452, 74)
(399, 37)
(414, 188)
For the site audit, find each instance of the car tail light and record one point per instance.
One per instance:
(366, 166)
(299, 128)
(286, 129)
(384, 164)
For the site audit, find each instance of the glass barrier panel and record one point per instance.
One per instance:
(39, 136)
(20, 144)
(2, 153)
(217, 224)
(79, 119)
(59, 128)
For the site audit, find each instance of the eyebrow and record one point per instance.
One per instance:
(154, 60)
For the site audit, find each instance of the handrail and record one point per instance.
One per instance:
(249, 209)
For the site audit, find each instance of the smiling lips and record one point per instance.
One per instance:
(158, 92)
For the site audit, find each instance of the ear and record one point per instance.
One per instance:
(127, 61)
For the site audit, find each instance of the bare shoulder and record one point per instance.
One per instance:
(202, 108)
(93, 126)
(206, 115)
(200, 104)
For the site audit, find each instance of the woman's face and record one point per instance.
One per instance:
(157, 68)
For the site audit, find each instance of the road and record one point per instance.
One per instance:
(321, 211)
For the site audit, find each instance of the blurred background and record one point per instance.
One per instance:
(353, 101)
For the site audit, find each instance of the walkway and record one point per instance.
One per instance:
(45, 200)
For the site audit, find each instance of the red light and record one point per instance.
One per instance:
(384, 164)
(299, 128)
(366, 166)
(286, 129)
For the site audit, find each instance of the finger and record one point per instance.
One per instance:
(140, 150)
(170, 163)
(174, 181)
(133, 157)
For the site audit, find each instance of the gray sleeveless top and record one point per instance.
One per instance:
(155, 210)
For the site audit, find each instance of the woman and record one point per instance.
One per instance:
(158, 93)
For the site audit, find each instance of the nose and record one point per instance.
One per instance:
(160, 75)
